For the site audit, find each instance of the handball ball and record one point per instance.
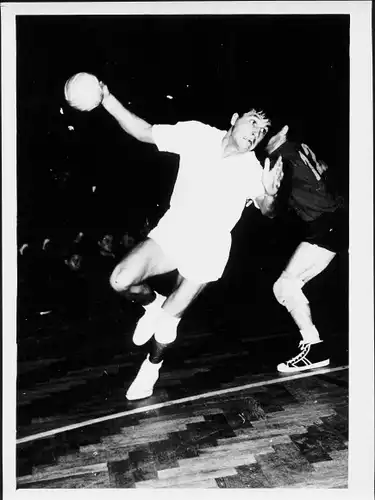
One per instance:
(83, 91)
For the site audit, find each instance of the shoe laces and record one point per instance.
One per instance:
(302, 345)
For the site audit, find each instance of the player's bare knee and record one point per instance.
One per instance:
(118, 279)
(278, 291)
(113, 280)
(288, 292)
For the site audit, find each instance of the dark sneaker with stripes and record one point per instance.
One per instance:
(310, 356)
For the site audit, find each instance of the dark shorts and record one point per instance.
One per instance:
(330, 231)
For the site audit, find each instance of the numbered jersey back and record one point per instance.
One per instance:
(305, 188)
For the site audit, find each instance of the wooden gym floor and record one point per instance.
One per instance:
(220, 417)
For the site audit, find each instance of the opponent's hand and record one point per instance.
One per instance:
(272, 178)
(277, 140)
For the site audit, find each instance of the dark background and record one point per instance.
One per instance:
(295, 68)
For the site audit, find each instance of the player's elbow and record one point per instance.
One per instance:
(144, 134)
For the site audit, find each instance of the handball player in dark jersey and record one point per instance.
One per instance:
(304, 191)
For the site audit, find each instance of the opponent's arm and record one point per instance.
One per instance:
(132, 124)
(271, 180)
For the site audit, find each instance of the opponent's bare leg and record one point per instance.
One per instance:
(165, 334)
(307, 262)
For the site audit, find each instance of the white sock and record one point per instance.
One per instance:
(166, 328)
(310, 335)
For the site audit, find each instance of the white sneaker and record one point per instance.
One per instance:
(309, 357)
(143, 384)
(146, 325)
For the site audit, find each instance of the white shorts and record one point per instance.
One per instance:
(199, 256)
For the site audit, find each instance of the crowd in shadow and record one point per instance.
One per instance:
(69, 277)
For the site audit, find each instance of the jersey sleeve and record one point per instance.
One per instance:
(177, 138)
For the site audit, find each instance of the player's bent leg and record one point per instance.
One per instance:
(183, 295)
(306, 263)
(320, 260)
(148, 374)
(165, 334)
(185, 292)
(288, 292)
(147, 324)
(146, 260)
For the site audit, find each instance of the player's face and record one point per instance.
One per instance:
(247, 132)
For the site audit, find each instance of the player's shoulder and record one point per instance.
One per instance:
(201, 132)
(197, 125)
(290, 152)
(289, 148)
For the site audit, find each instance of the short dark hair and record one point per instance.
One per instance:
(260, 115)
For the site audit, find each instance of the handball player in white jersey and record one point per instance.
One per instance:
(218, 176)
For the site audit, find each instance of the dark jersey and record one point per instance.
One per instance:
(305, 193)
(303, 187)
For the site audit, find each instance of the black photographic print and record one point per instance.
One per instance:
(187, 247)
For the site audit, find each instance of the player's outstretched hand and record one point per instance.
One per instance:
(277, 140)
(272, 178)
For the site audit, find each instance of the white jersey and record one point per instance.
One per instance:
(209, 194)
(209, 190)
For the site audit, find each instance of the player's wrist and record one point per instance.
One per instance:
(267, 193)
(108, 101)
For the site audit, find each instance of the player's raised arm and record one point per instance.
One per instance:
(132, 124)
(84, 92)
